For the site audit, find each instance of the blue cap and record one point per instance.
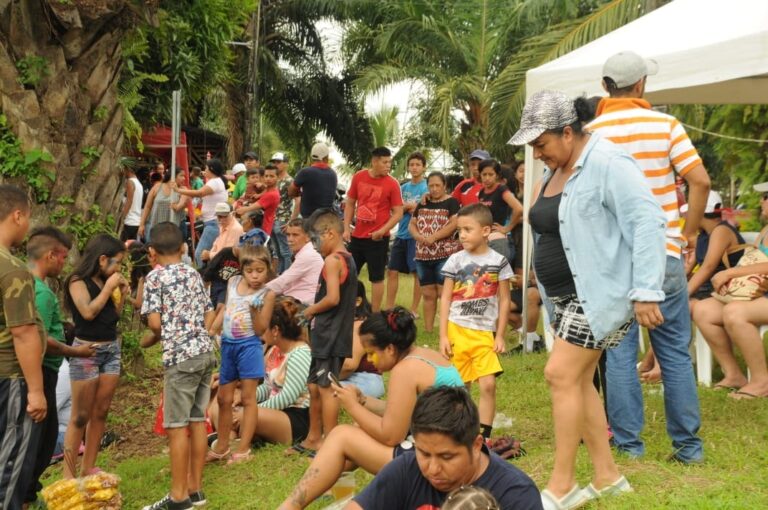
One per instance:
(480, 154)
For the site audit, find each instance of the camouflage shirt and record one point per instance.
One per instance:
(285, 208)
(17, 308)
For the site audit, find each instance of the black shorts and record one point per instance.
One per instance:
(403, 256)
(319, 368)
(218, 292)
(129, 233)
(299, 418)
(373, 253)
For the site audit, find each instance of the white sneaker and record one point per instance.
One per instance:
(618, 487)
(576, 498)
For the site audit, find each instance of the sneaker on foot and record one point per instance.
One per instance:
(197, 498)
(167, 503)
(618, 487)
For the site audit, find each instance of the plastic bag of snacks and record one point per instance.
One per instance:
(94, 492)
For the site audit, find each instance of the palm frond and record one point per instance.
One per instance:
(508, 90)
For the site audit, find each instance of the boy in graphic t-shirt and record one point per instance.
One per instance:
(374, 201)
(475, 304)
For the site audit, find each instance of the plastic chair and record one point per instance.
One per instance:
(704, 356)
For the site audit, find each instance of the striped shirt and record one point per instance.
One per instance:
(661, 147)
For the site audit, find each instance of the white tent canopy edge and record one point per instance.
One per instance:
(708, 51)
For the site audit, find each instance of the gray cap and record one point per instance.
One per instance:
(761, 188)
(319, 151)
(546, 109)
(627, 68)
(480, 154)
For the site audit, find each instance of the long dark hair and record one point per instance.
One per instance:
(216, 168)
(390, 327)
(88, 265)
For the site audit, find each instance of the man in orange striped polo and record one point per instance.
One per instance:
(661, 146)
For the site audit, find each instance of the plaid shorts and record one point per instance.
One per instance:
(570, 324)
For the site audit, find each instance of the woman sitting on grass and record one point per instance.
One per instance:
(382, 426)
(283, 399)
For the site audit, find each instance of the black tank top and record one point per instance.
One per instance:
(549, 261)
(103, 327)
(331, 335)
(495, 202)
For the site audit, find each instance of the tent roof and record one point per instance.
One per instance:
(709, 51)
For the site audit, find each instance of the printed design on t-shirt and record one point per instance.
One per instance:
(428, 222)
(369, 198)
(474, 286)
(178, 294)
(428, 507)
(228, 269)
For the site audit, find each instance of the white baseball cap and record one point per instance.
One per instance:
(320, 151)
(238, 169)
(627, 68)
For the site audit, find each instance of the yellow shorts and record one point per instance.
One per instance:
(473, 354)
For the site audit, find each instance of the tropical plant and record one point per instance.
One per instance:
(472, 55)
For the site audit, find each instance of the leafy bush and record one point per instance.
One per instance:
(14, 162)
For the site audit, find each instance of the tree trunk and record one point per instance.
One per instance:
(72, 112)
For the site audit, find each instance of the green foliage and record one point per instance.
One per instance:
(30, 165)
(32, 69)
(100, 113)
(90, 156)
(735, 155)
(189, 47)
(82, 225)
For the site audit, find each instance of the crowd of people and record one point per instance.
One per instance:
(269, 291)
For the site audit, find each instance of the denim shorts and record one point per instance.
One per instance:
(430, 271)
(401, 258)
(187, 390)
(372, 385)
(242, 359)
(106, 361)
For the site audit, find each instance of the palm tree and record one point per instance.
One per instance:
(473, 55)
(384, 126)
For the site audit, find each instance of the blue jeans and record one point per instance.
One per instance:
(280, 247)
(670, 341)
(209, 235)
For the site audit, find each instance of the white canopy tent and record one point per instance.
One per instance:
(708, 51)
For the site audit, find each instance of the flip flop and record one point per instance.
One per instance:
(719, 387)
(745, 395)
(297, 449)
(212, 456)
(237, 458)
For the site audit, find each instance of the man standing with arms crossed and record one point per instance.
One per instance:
(374, 201)
(22, 400)
(662, 149)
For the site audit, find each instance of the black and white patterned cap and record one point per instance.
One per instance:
(546, 109)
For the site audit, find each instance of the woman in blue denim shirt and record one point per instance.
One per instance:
(599, 259)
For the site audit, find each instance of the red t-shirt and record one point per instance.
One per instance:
(375, 200)
(466, 192)
(269, 202)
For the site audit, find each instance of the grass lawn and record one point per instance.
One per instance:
(734, 433)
